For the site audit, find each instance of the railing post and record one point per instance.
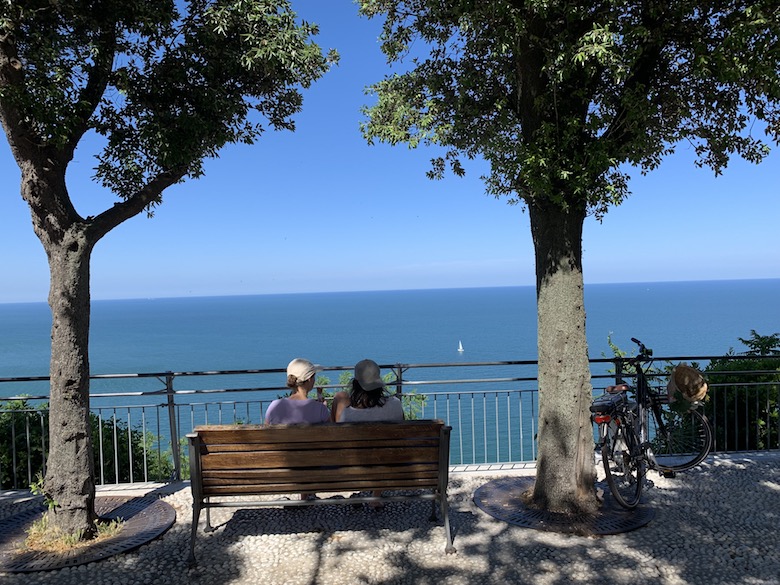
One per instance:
(13, 452)
(398, 370)
(171, 404)
(618, 370)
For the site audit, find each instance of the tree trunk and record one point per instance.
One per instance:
(565, 475)
(69, 477)
(68, 241)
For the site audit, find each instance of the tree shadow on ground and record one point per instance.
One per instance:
(714, 524)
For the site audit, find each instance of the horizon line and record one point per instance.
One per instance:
(358, 291)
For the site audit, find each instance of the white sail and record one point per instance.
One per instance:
(460, 346)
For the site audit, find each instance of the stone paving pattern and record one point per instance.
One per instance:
(716, 524)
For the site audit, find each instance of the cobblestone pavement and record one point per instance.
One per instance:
(716, 524)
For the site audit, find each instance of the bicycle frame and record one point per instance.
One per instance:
(622, 448)
(646, 402)
(651, 404)
(625, 433)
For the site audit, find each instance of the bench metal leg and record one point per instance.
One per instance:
(209, 527)
(449, 549)
(194, 530)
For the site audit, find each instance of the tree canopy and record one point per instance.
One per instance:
(166, 84)
(553, 93)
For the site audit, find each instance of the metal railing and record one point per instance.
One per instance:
(139, 420)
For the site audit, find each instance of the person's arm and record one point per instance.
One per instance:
(340, 402)
(324, 413)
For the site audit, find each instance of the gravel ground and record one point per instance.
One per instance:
(716, 524)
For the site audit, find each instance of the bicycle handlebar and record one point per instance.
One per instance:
(644, 352)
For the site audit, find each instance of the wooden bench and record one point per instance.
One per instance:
(253, 460)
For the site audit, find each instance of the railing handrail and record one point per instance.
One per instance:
(498, 410)
(396, 368)
(389, 366)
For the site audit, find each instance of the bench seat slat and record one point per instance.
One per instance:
(359, 471)
(294, 488)
(339, 432)
(304, 479)
(333, 458)
(368, 443)
(352, 484)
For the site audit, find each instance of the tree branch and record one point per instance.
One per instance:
(24, 142)
(642, 75)
(90, 95)
(136, 203)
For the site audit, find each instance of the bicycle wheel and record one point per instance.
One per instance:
(679, 440)
(624, 464)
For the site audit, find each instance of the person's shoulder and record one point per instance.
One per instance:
(271, 411)
(275, 403)
(346, 414)
(396, 406)
(321, 406)
(316, 410)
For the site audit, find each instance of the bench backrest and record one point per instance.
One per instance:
(251, 459)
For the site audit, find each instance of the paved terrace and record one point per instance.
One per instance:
(717, 524)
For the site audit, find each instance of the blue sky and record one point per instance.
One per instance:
(320, 210)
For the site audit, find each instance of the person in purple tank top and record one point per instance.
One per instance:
(298, 408)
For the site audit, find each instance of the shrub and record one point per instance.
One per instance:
(117, 448)
(743, 410)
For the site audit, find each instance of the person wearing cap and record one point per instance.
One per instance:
(298, 408)
(367, 399)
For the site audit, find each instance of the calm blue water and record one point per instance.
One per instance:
(338, 329)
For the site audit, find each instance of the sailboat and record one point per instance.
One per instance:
(460, 346)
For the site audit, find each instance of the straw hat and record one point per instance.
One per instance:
(688, 382)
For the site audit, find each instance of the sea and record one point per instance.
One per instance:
(404, 326)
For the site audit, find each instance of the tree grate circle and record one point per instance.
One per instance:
(144, 519)
(502, 499)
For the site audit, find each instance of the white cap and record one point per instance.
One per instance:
(302, 369)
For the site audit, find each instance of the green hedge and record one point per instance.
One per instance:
(24, 431)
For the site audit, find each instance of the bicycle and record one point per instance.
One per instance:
(648, 432)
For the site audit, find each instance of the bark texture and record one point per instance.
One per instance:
(68, 243)
(565, 468)
(70, 469)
